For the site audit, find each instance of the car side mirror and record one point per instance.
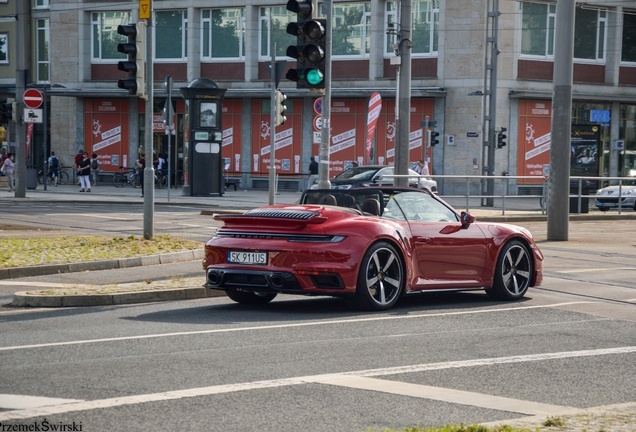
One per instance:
(466, 219)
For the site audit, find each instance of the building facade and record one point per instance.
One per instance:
(73, 57)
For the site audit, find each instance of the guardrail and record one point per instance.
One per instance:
(582, 188)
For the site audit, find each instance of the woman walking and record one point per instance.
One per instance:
(9, 166)
(84, 173)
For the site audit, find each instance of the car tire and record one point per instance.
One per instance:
(603, 209)
(513, 272)
(250, 297)
(380, 279)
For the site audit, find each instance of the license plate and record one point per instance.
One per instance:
(247, 257)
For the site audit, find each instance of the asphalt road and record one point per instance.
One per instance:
(312, 364)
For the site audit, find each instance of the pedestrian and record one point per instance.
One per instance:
(94, 168)
(354, 164)
(9, 169)
(79, 157)
(141, 166)
(313, 172)
(422, 167)
(54, 167)
(3, 157)
(85, 173)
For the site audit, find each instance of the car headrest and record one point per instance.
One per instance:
(371, 205)
(328, 200)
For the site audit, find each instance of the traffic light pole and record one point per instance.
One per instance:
(272, 132)
(20, 86)
(149, 171)
(325, 130)
(403, 125)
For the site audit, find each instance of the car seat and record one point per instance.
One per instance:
(371, 205)
(328, 200)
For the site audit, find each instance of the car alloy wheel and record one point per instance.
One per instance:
(381, 278)
(513, 273)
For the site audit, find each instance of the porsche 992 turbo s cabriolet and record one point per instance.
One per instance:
(370, 246)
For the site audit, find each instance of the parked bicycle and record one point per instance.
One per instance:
(126, 176)
(161, 180)
(62, 177)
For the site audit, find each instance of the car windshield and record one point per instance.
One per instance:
(415, 206)
(357, 173)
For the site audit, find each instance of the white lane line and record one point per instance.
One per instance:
(596, 269)
(332, 379)
(449, 395)
(20, 402)
(132, 217)
(35, 284)
(308, 324)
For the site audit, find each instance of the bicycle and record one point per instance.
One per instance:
(161, 180)
(62, 177)
(126, 176)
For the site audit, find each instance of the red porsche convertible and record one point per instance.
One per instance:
(370, 246)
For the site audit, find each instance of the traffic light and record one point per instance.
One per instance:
(5, 113)
(434, 140)
(309, 50)
(279, 108)
(501, 137)
(135, 48)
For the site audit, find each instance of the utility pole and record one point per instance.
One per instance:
(403, 129)
(559, 182)
(490, 102)
(325, 130)
(20, 87)
(149, 171)
(272, 122)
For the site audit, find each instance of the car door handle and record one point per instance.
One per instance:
(423, 239)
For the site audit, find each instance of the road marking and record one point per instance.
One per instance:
(19, 402)
(630, 300)
(334, 379)
(595, 269)
(448, 395)
(315, 323)
(35, 284)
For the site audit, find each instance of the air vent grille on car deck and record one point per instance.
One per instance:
(283, 214)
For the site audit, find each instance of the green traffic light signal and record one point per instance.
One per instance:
(313, 76)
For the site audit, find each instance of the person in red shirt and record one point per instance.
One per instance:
(79, 157)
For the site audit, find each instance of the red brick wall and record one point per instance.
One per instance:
(544, 70)
(420, 68)
(627, 75)
(223, 71)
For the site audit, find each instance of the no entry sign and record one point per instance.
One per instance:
(33, 98)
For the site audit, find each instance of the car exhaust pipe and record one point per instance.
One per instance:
(277, 281)
(214, 278)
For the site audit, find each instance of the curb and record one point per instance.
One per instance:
(23, 299)
(21, 272)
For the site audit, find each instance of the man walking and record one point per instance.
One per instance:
(313, 172)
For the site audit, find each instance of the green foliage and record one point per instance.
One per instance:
(462, 428)
(63, 250)
(554, 421)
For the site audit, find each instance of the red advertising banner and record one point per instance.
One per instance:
(232, 134)
(287, 139)
(534, 139)
(375, 105)
(106, 132)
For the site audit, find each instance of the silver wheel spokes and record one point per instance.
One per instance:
(383, 276)
(516, 270)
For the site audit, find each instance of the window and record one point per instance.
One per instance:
(350, 35)
(425, 27)
(171, 31)
(104, 36)
(44, 4)
(223, 33)
(43, 62)
(537, 31)
(273, 28)
(4, 48)
(629, 37)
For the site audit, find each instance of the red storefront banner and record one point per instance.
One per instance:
(375, 105)
(106, 132)
(534, 139)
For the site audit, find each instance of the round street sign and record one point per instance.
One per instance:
(318, 106)
(33, 98)
(317, 123)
